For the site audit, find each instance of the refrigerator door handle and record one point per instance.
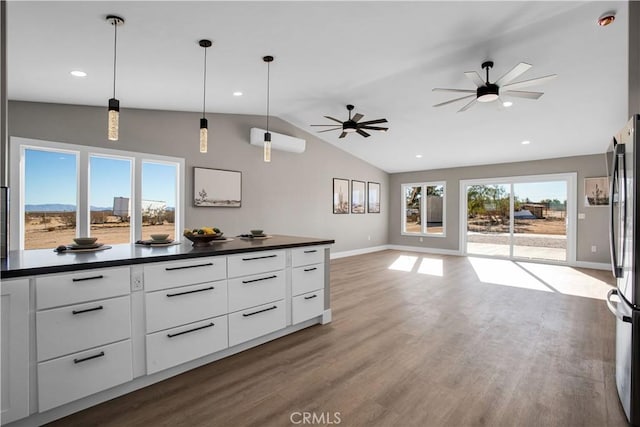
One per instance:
(613, 191)
(612, 306)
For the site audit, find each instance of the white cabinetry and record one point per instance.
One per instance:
(307, 283)
(15, 349)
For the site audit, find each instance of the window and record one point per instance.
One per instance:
(423, 209)
(61, 191)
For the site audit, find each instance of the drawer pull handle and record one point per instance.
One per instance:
(191, 330)
(188, 266)
(310, 269)
(310, 252)
(82, 279)
(259, 257)
(84, 359)
(311, 297)
(86, 310)
(191, 292)
(260, 279)
(260, 311)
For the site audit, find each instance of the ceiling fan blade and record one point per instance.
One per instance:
(475, 78)
(373, 128)
(357, 117)
(342, 135)
(334, 119)
(324, 125)
(363, 133)
(469, 105)
(443, 89)
(513, 74)
(525, 83)
(327, 130)
(372, 122)
(523, 94)
(454, 100)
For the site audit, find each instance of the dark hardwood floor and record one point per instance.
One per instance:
(437, 345)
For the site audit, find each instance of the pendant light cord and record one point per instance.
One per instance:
(204, 83)
(115, 49)
(268, 80)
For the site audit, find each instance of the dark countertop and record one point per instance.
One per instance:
(46, 261)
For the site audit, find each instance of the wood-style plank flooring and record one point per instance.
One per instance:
(444, 343)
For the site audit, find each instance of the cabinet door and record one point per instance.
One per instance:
(15, 349)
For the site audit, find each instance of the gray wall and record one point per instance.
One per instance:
(291, 195)
(634, 57)
(591, 231)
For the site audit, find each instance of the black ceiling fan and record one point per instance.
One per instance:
(353, 124)
(488, 92)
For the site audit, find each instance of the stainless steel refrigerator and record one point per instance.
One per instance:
(624, 300)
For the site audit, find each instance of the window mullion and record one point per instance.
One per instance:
(423, 210)
(136, 201)
(82, 204)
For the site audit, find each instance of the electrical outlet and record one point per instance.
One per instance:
(594, 248)
(581, 215)
(369, 237)
(422, 239)
(137, 282)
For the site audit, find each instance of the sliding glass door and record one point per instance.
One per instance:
(519, 217)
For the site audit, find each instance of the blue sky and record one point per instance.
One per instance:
(50, 177)
(541, 190)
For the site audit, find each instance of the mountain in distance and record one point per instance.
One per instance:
(58, 207)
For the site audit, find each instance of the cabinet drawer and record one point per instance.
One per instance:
(63, 289)
(256, 262)
(307, 306)
(307, 255)
(179, 273)
(307, 279)
(249, 291)
(248, 324)
(179, 345)
(73, 328)
(72, 377)
(178, 306)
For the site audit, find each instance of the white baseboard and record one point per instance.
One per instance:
(343, 254)
(593, 265)
(424, 249)
(326, 316)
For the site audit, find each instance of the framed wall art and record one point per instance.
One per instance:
(373, 197)
(340, 196)
(217, 188)
(596, 191)
(358, 197)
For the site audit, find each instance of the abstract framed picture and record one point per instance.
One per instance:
(373, 197)
(217, 188)
(340, 196)
(358, 197)
(596, 191)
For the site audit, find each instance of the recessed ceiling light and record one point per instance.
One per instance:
(606, 19)
(507, 104)
(237, 93)
(78, 73)
(418, 156)
(526, 142)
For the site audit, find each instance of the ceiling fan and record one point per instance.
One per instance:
(353, 124)
(488, 92)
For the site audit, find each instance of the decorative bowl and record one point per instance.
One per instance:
(85, 241)
(159, 237)
(256, 232)
(201, 240)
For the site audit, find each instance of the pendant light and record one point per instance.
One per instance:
(204, 124)
(267, 134)
(114, 104)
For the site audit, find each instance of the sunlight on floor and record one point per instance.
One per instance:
(432, 267)
(506, 273)
(404, 263)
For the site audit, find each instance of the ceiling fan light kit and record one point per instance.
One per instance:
(113, 123)
(353, 124)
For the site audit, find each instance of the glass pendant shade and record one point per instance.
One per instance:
(114, 119)
(267, 147)
(204, 135)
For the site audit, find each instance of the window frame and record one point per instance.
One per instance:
(18, 145)
(423, 209)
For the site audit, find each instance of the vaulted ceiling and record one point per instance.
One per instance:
(383, 57)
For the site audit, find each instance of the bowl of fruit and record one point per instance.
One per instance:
(203, 236)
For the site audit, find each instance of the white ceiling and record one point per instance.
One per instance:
(383, 57)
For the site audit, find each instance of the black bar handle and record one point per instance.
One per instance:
(259, 257)
(260, 279)
(311, 251)
(191, 292)
(260, 311)
(310, 269)
(188, 266)
(311, 297)
(82, 279)
(87, 310)
(84, 359)
(191, 330)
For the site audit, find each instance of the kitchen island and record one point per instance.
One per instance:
(87, 327)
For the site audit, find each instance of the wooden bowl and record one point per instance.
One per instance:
(201, 240)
